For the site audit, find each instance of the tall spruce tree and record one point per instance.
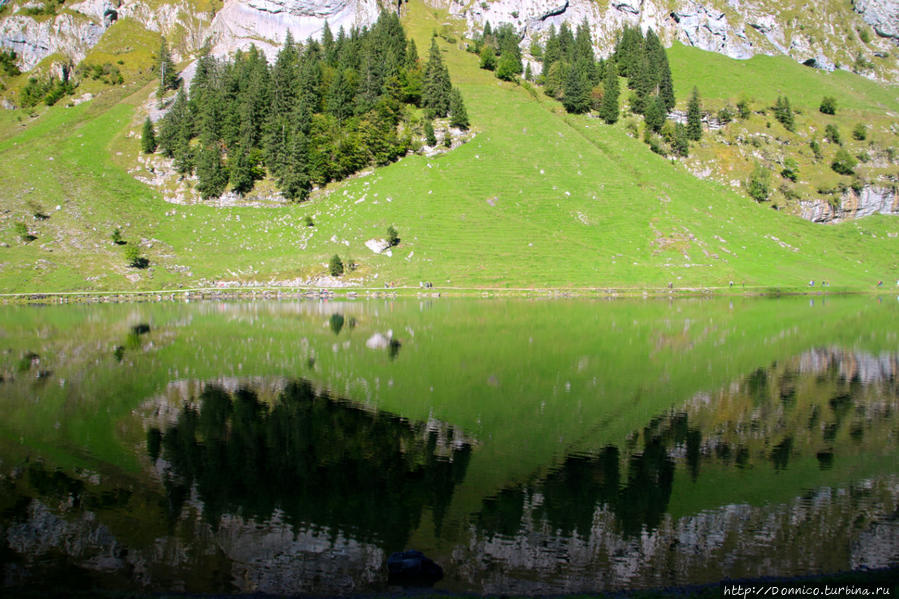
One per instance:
(148, 137)
(459, 116)
(577, 90)
(168, 74)
(694, 117)
(437, 86)
(211, 174)
(609, 109)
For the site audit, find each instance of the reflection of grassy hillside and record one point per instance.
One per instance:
(530, 381)
(537, 198)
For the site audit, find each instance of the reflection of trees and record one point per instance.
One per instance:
(320, 462)
(774, 416)
(572, 492)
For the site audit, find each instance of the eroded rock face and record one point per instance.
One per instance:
(75, 32)
(881, 15)
(736, 28)
(871, 200)
(34, 40)
(265, 23)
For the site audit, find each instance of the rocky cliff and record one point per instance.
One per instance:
(822, 35)
(77, 28)
(852, 204)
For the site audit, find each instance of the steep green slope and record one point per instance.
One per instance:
(731, 153)
(536, 199)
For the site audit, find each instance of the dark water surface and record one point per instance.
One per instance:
(526, 446)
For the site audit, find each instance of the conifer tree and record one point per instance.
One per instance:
(681, 140)
(552, 53)
(528, 74)
(577, 90)
(148, 137)
(694, 117)
(430, 137)
(655, 113)
(458, 114)
(211, 175)
(294, 177)
(488, 58)
(784, 113)
(241, 172)
(609, 109)
(168, 74)
(437, 87)
(411, 55)
(666, 84)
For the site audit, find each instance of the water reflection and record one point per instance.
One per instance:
(314, 460)
(176, 448)
(610, 511)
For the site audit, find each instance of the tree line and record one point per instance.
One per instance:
(322, 111)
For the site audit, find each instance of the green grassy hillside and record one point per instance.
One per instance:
(537, 198)
(732, 152)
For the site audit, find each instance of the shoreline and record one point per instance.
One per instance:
(356, 293)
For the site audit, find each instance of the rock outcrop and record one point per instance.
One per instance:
(34, 40)
(881, 15)
(738, 29)
(74, 32)
(266, 22)
(871, 200)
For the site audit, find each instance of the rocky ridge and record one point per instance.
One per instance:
(737, 28)
(822, 36)
(870, 200)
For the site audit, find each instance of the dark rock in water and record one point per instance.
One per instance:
(412, 568)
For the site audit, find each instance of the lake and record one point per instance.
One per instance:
(526, 446)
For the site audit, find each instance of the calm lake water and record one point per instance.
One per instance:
(525, 446)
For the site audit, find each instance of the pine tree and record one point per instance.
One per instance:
(655, 113)
(211, 175)
(488, 58)
(294, 178)
(148, 137)
(552, 53)
(528, 74)
(609, 109)
(784, 113)
(430, 137)
(681, 140)
(168, 74)
(666, 84)
(459, 116)
(577, 90)
(241, 173)
(437, 87)
(694, 117)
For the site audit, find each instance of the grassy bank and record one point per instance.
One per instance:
(537, 199)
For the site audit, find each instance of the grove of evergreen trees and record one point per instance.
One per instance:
(321, 112)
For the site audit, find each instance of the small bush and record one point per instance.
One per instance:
(833, 134)
(859, 132)
(21, 229)
(743, 109)
(308, 221)
(335, 266)
(117, 237)
(828, 105)
(392, 237)
(725, 115)
(134, 258)
(816, 149)
(843, 163)
(758, 185)
(790, 170)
